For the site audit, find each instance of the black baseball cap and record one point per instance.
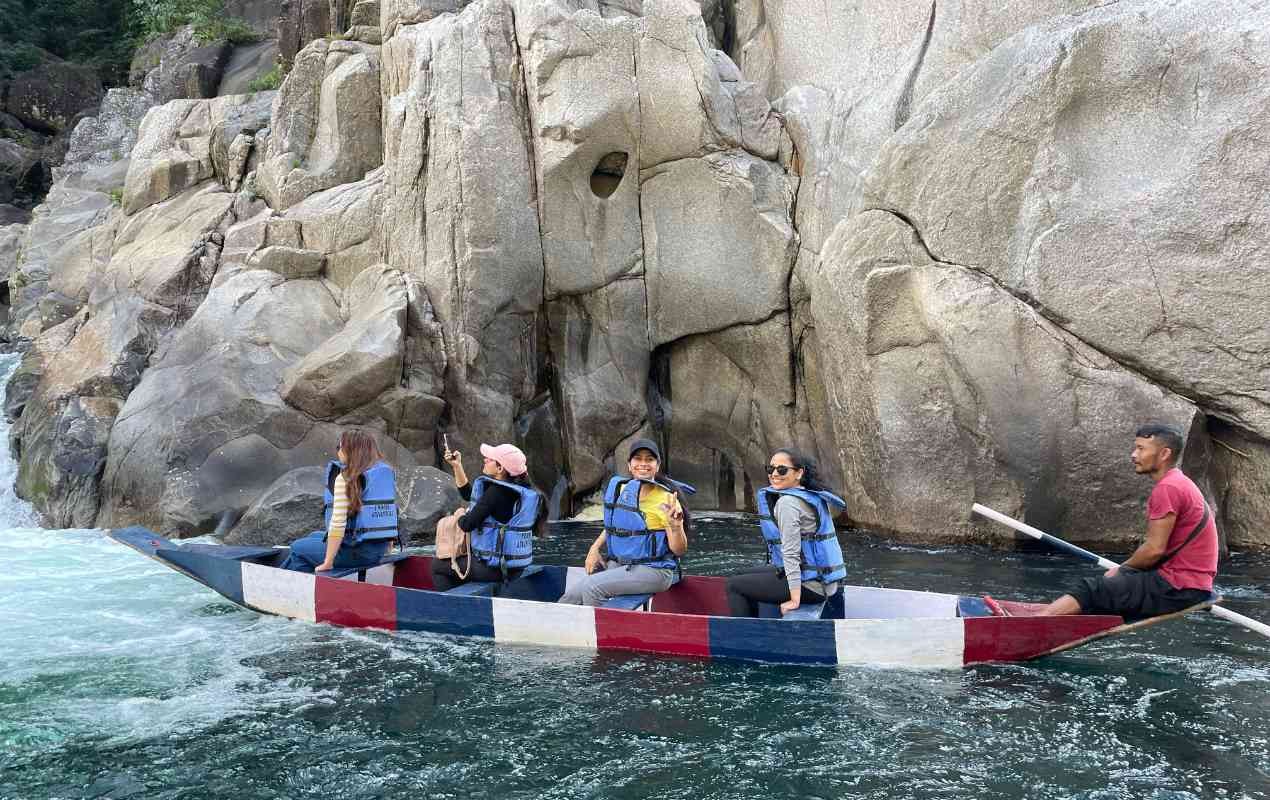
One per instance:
(644, 444)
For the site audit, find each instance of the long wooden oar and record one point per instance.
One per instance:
(1079, 552)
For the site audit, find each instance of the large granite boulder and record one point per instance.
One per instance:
(186, 142)
(10, 240)
(326, 123)
(56, 223)
(460, 213)
(292, 506)
(205, 431)
(361, 360)
(20, 167)
(720, 246)
(731, 399)
(1091, 178)
(1237, 467)
(947, 390)
(100, 146)
(300, 22)
(49, 97)
(585, 109)
(161, 263)
(345, 225)
(179, 66)
(600, 352)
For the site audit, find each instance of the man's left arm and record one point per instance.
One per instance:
(1153, 549)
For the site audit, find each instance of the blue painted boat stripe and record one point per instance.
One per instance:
(224, 575)
(773, 640)
(459, 615)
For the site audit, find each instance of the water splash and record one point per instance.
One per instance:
(14, 511)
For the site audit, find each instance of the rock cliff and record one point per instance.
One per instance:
(956, 252)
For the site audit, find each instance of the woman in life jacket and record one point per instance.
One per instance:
(796, 514)
(360, 509)
(506, 512)
(645, 533)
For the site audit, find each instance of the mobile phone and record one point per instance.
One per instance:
(445, 442)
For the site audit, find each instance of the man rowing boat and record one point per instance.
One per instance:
(1175, 566)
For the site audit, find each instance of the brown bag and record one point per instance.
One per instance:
(452, 542)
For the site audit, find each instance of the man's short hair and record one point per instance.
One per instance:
(1166, 435)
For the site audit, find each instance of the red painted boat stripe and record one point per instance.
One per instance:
(356, 605)
(1019, 638)
(651, 632)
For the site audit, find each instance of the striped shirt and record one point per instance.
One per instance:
(339, 508)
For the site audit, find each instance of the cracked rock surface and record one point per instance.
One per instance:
(955, 251)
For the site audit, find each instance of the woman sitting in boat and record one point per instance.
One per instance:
(796, 516)
(644, 533)
(361, 510)
(506, 511)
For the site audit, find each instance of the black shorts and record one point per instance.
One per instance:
(1134, 594)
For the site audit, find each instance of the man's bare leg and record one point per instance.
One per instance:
(1063, 605)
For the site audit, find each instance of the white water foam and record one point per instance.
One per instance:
(14, 511)
(102, 643)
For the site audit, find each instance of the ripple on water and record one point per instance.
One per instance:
(121, 678)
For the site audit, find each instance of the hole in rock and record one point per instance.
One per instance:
(607, 175)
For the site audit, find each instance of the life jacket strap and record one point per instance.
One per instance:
(375, 529)
(626, 532)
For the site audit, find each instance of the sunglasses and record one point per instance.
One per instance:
(779, 469)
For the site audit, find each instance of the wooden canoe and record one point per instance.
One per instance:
(861, 626)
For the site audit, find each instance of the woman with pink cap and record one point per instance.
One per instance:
(506, 511)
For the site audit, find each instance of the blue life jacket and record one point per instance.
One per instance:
(377, 518)
(821, 552)
(506, 545)
(627, 536)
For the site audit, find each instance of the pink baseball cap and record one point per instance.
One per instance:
(509, 456)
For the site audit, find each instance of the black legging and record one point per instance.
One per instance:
(444, 579)
(763, 584)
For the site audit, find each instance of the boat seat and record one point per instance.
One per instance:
(487, 588)
(341, 572)
(474, 589)
(973, 607)
(806, 611)
(628, 602)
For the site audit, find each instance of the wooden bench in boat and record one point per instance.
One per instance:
(487, 588)
(806, 611)
(628, 602)
(829, 608)
(361, 571)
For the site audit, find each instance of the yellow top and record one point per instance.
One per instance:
(650, 502)
(339, 508)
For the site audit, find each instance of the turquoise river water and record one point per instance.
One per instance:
(120, 678)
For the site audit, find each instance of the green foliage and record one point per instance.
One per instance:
(116, 196)
(270, 80)
(18, 57)
(92, 32)
(156, 17)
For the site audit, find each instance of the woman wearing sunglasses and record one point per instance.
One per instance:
(360, 509)
(796, 514)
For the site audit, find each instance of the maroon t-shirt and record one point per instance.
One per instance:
(1196, 564)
